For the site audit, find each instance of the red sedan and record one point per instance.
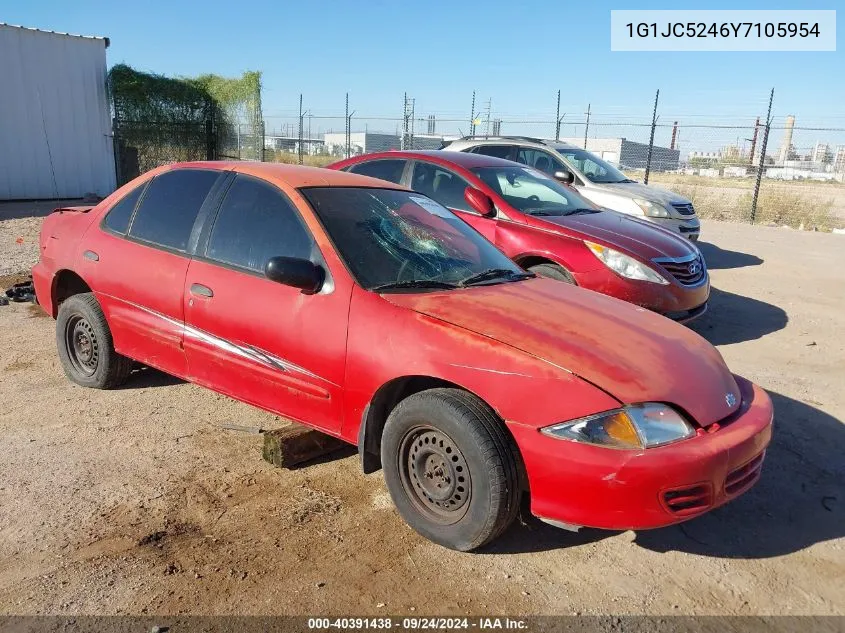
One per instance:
(376, 315)
(550, 229)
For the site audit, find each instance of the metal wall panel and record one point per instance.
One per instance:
(55, 125)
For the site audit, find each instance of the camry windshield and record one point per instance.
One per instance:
(402, 241)
(532, 191)
(593, 167)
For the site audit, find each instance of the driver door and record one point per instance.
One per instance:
(447, 188)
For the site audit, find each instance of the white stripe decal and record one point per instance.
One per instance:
(247, 352)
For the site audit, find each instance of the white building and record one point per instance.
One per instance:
(370, 142)
(55, 125)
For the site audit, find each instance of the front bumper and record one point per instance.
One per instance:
(678, 302)
(688, 227)
(583, 485)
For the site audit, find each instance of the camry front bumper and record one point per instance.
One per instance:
(576, 484)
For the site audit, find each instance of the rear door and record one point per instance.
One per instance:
(447, 187)
(137, 260)
(254, 339)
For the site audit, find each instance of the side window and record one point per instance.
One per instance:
(256, 222)
(390, 170)
(499, 151)
(440, 184)
(119, 215)
(170, 207)
(538, 159)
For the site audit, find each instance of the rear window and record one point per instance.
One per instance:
(118, 217)
(170, 207)
(388, 169)
(499, 151)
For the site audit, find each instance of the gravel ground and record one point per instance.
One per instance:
(136, 501)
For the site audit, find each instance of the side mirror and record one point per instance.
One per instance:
(480, 201)
(295, 272)
(566, 177)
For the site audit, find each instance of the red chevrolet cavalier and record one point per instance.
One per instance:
(549, 228)
(376, 315)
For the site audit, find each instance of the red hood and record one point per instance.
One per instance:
(633, 354)
(625, 233)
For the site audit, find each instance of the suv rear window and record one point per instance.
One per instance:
(387, 169)
(499, 151)
(170, 207)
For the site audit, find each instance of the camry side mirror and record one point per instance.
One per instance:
(295, 272)
(566, 177)
(480, 201)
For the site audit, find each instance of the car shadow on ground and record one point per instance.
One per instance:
(732, 318)
(720, 258)
(143, 377)
(797, 502)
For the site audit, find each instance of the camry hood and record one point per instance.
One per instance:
(633, 354)
(643, 239)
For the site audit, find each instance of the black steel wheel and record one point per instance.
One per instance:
(85, 345)
(452, 468)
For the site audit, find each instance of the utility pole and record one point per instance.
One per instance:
(587, 126)
(487, 124)
(651, 140)
(557, 118)
(472, 116)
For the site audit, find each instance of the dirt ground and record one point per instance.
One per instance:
(135, 501)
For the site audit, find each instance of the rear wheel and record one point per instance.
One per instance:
(553, 271)
(451, 468)
(85, 345)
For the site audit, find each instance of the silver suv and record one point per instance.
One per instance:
(597, 180)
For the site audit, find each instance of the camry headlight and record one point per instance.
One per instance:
(633, 427)
(624, 265)
(652, 209)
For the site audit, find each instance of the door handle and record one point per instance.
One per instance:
(202, 291)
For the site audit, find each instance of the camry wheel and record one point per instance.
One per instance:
(553, 271)
(451, 468)
(85, 345)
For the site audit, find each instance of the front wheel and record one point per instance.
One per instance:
(85, 345)
(451, 468)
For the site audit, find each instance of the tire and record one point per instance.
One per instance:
(451, 467)
(553, 271)
(85, 345)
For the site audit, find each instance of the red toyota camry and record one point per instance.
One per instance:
(550, 229)
(376, 315)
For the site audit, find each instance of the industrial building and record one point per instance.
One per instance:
(55, 128)
(628, 154)
(370, 142)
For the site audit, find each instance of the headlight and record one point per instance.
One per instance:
(624, 265)
(633, 427)
(652, 209)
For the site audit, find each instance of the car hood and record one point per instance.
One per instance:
(638, 237)
(648, 192)
(632, 354)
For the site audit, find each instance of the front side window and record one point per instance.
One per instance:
(594, 168)
(170, 207)
(532, 191)
(538, 159)
(392, 240)
(441, 184)
(119, 215)
(257, 222)
(388, 169)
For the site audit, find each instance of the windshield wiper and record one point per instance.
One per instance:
(582, 210)
(416, 283)
(495, 273)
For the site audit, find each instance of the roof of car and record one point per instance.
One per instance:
(463, 159)
(292, 175)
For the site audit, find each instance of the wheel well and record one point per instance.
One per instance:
(66, 284)
(533, 260)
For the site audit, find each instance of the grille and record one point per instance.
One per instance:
(688, 273)
(743, 477)
(684, 501)
(684, 209)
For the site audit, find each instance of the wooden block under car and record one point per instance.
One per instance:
(294, 444)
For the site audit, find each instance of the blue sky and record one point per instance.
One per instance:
(518, 54)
